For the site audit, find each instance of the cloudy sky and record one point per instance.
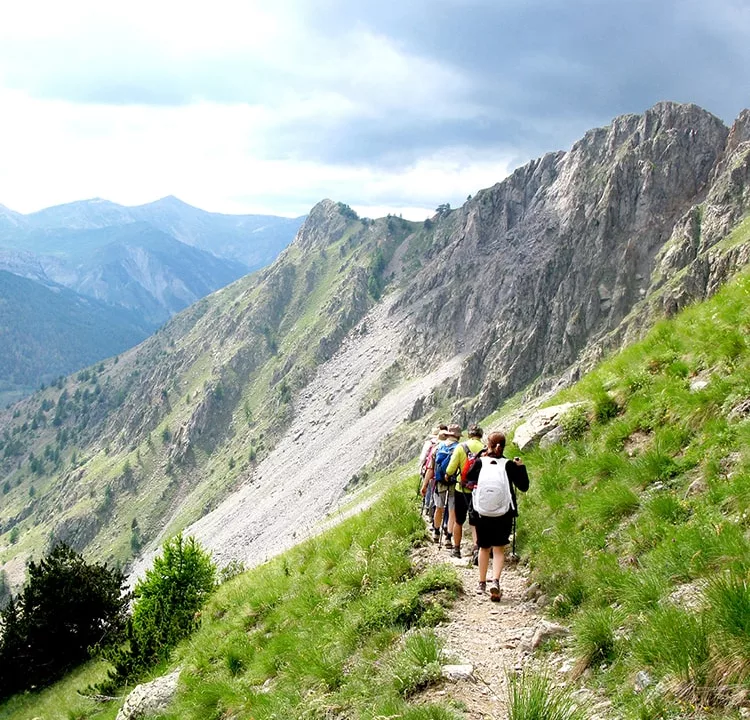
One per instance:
(395, 105)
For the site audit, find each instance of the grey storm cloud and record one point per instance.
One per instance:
(534, 74)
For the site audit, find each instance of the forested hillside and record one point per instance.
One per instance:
(46, 333)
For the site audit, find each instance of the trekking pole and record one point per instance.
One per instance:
(513, 557)
(444, 523)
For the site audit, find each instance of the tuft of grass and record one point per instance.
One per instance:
(533, 696)
(418, 664)
(595, 638)
(728, 612)
(677, 643)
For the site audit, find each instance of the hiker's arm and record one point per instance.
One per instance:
(518, 475)
(454, 465)
(428, 475)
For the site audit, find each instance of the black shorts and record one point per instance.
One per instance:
(494, 531)
(464, 508)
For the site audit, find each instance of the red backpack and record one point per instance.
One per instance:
(471, 459)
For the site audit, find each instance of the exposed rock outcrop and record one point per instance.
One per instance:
(559, 254)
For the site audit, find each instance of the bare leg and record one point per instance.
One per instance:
(498, 561)
(438, 521)
(454, 529)
(458, 531)
(484, 563)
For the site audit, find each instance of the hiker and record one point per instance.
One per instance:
(497, 495)
(425, 466)
(444, 492)
(462, 498)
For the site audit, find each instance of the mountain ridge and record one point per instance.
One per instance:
(511, 291)
(155, 259)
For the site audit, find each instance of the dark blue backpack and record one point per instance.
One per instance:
(442, 459)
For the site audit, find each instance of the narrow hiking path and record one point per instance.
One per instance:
(497, 639)
(494, 638)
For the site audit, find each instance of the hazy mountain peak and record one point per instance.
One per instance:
(325, 223)
(170, 201)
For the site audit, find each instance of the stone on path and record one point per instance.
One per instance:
(458, 672)
(546, 631)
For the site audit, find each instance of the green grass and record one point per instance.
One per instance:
(320, 627)
(62, 701)
(650, 494)
(655, 495)
(341, 621)
(534, 696)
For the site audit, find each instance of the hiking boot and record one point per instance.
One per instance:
(456, 552)
(448, 544)
(435, 535)
(481, 588)
(495, 592)
(475, 556)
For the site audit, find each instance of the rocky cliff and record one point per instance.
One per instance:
(533, 271)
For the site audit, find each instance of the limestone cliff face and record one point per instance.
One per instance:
(558, 255)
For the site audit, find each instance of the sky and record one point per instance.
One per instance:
(398, 106)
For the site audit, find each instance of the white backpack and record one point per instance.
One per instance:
(491, 497)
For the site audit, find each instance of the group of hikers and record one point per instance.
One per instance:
(474, 481)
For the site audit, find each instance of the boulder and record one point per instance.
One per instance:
(149, 698)
(540, 423)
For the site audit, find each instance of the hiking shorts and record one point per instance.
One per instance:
(464, 508)
(494, 531)
(439, 496)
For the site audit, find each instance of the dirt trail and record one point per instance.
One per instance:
(491, 637)
(497, 640)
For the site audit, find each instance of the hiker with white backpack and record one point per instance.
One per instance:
(494, 502)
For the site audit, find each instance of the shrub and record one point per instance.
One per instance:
(231, 570)
(605, 408)
(418, 663)
(66, 609)
(574, 422)
(166, 608)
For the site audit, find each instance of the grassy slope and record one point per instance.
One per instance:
(651, 504)
(321, 627)
(639, 530)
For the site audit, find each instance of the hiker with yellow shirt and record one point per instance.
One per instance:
(462, 497)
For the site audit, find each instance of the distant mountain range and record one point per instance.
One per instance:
(151, 260)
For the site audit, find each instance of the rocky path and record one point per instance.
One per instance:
(493, 638)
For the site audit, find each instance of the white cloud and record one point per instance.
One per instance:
(244, 105)
(55, 152)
